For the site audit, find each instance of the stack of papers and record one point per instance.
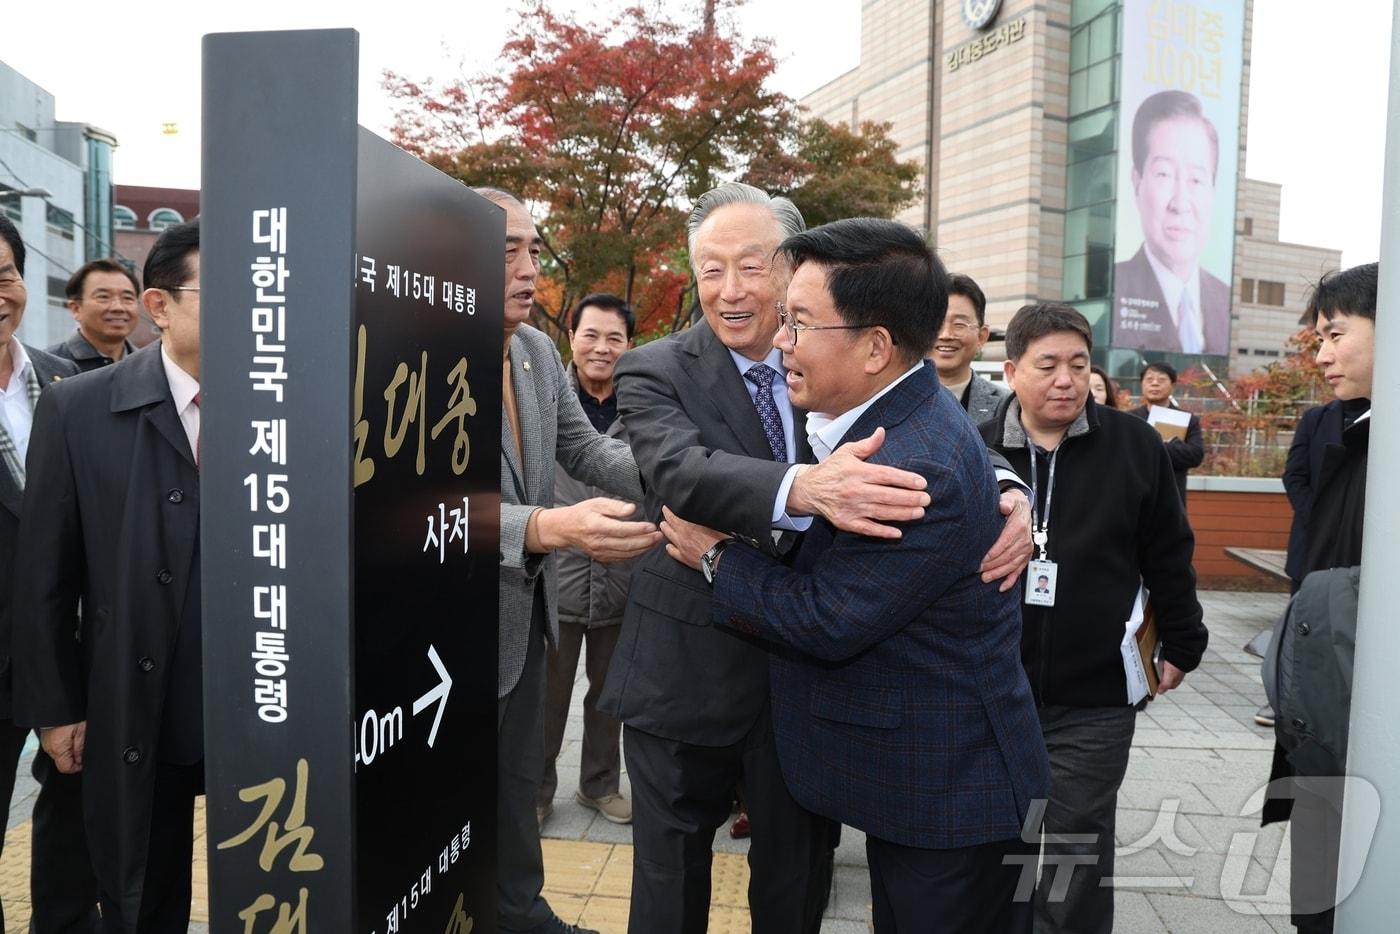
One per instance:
(1170, 423)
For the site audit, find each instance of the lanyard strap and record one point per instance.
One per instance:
(1040, 533)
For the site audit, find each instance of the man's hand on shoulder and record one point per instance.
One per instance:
(598, 527)
(64, 744)
(1012, 550)
(858, 497)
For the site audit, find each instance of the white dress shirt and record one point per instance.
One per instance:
(183, 389)
(15, 409)
(1172, 287)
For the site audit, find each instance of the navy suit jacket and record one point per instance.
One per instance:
(899, 702)
(1148, 326)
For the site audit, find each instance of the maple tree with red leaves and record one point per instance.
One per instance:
(1248, 420)
(610, 130)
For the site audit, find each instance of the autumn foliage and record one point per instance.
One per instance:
(1248, 421)
(610, 130)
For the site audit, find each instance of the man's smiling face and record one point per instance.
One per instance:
(738, 282)
(12, 294)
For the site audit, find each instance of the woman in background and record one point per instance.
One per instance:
(1102, 388)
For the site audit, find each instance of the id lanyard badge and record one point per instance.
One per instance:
(1041, 573)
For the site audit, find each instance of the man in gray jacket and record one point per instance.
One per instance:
(542, 422)
(592, 594)
(964, 334)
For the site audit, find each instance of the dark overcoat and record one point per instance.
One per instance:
(111, 518)
(49, 369)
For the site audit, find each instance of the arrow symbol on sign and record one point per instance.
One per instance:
(438, 695)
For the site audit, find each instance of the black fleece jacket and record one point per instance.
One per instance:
(1116, 519)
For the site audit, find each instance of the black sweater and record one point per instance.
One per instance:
(1116, 518)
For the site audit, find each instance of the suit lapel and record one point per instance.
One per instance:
(141, 383)
(11, 497)
(718, 377)
(527, 405)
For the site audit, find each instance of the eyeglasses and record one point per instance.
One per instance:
(790, 322)
(183, 288)
(960, 328)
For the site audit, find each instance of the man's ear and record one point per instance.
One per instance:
(73, 308)
(984, 334)
(882, 350)
(1008, 369)
(156, 302)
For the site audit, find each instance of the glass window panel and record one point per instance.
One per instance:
(1247, 290)
(1078, 49)
(1091, 181)
(1093, 135)
(1074, 267)
(1101, 35)
(1098, 271)
(1078, 84)
(1099, 91)
(1081, 11)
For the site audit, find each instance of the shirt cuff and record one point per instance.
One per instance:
(781, 519)
(1009, 476)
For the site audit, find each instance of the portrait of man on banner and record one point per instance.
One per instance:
(1165, 299)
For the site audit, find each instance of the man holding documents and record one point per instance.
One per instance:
(1107, 521)
(1179, 429)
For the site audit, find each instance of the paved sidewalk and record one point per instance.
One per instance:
(1191, 855)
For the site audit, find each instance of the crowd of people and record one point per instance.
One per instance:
(811, 558)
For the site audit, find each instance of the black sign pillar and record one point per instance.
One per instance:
(351, 332)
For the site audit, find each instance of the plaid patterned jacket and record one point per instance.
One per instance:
(899, 702)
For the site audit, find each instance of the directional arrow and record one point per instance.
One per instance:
(438, 695)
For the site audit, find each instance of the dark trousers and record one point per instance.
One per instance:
(601, 764)
(1317, 838)
(62, 888)
(965, 889)
(165, 892)
(1088, 749)
(519, 765)
(680, 796)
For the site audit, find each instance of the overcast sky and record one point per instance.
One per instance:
(1317, 96)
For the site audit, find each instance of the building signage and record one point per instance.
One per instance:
(352, 333)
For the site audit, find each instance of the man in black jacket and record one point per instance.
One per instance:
(1158, 381)
(1107, 519)
(1343, 310)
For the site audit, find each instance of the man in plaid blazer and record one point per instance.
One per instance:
(899, 703)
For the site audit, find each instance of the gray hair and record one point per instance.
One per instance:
(787, 215)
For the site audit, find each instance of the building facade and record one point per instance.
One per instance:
(1014, 111)
(56, 185)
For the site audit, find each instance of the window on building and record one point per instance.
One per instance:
(123, 218)
(1247, 290)
(1248, 227)
(60, 221)
(11, 204)
(1270, 293)
(27, 132)
(162, 218)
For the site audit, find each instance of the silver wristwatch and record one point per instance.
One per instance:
(710, 558)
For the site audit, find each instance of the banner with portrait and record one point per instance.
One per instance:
(1178, 162)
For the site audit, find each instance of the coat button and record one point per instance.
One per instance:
(176, 496)
(1299, 723)
(1304, 629)
(164, 576)
(147, 664)
(131, 755)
